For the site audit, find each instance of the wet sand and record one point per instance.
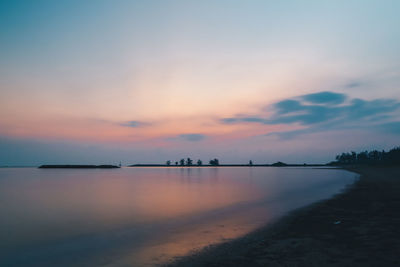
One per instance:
(359, 227)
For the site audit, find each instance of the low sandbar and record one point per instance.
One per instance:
(78, 167)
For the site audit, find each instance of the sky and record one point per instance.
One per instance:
(149, 81)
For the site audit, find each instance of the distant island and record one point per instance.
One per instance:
(350, 158)
(78, 167)
(277, 164)
(215, 163)
(382, 158)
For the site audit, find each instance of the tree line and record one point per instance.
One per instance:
(189, 162)
(369, 157)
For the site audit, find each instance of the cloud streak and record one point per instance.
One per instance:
(325, 98)
(133, 124)
(328, 111)
(192, 137)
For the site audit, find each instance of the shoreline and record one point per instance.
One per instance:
(357, 227)
(66, 166)
(227, 165)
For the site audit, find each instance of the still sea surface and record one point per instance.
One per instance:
(144, 216)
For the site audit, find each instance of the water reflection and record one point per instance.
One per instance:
(143, 216)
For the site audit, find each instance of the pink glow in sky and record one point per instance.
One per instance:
(142, 81)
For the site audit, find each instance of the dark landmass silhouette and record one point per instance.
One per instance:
(277, 164)
(78, 167)
(374, 157)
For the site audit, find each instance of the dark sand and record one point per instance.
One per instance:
(360, 227)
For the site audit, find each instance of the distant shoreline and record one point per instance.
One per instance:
(228, 165)
(78, 167)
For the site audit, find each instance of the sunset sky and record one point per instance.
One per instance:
(150, 81)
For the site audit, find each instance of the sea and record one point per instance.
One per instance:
(143, 216)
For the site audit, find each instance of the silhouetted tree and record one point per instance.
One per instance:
(393, 156)
(199, 163)
(214, 162)
(251, 163)
(372, 157)
(168, 162)
(353, 158)
(375, 156)
(182, 162)
(362, 157)
(189, 162)
(176, 163)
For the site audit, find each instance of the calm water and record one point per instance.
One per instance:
(144, 216)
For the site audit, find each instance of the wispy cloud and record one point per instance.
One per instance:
(133, 124)
(391, 127)
(328, 111)
(241, 119)
(307, 114)
(353, 84)
(325, 98)
(188, 137)
(194, 137)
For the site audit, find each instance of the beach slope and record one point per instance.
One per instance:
(360, 227)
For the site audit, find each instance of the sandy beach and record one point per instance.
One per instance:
(359, 227)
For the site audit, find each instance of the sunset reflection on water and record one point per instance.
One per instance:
(144, 216)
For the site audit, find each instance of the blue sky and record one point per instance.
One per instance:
(148, 81)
